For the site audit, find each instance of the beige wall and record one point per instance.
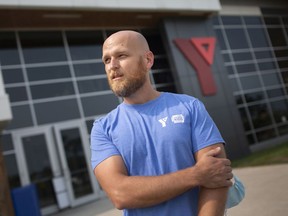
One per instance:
(154, 5)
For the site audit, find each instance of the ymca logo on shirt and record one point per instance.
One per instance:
(163, 121)
(176, 119)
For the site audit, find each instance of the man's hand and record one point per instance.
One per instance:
(214, 172)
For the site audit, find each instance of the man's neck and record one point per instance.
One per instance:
(142, 96)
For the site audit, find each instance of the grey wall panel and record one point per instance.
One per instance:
(221, 106)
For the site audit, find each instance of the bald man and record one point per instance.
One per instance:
(157, 153)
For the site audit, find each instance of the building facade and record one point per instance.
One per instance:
(50, 57)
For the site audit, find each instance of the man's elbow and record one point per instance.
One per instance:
(119, 199)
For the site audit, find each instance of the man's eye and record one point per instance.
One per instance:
(122, 56)
(106, 61)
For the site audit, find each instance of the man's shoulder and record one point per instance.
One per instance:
(108, 116)
(180, 97)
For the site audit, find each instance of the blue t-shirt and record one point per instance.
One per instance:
(155, 138)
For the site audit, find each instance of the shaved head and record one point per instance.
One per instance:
(132, 38)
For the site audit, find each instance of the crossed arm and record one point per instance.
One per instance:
(212, 173)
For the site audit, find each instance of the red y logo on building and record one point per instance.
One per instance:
(200, 54)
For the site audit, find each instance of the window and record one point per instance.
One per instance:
(237, 39)
(258, 37)
(12, 76)
(48, 73)
(259, 65)
(56, 111)
(52, 90)
(8, 49)
(40, 47)
(22, 117)
(91, 105)
(17, 94)
(85, 44)
(90, 69)
(93, 85)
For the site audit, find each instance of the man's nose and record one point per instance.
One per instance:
(114, 63)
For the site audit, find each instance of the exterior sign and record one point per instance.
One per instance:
(200, 54)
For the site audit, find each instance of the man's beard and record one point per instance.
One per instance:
(129, 85)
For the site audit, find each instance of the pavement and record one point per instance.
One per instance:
(266, 195)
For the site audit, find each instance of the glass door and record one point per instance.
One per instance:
(73, 144)
(38, 164)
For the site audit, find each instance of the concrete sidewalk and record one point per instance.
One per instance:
(266, 195)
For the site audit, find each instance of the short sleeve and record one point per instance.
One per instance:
(204, 130)
(101, 145)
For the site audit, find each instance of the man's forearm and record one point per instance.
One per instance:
(145, 191)
(212, 201)
(142, 191)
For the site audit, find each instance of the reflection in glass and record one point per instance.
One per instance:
(76, 161)
(81, 183)
(266, 135)
(12, 171)
(252, 97)
(260, 115)
(244, 119)
(280, 111)
(39, 167)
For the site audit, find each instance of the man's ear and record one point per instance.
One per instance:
(149, 59)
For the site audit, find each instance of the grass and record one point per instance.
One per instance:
(274, 155)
